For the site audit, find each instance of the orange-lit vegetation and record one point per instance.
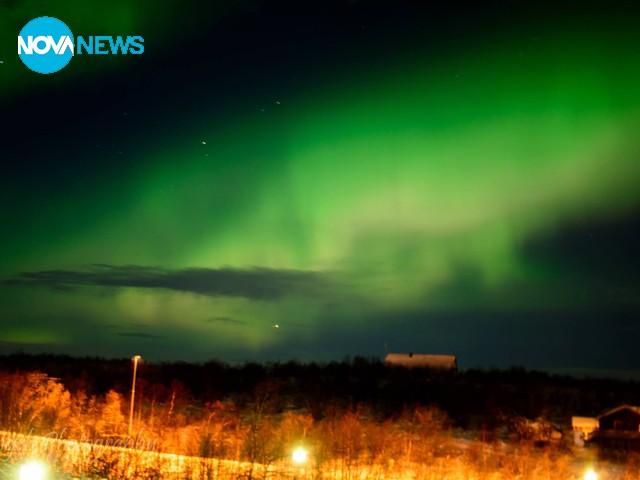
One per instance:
(253, 433)
(350, 447)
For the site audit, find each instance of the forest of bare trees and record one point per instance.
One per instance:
(352, 415)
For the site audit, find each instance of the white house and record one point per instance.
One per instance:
(583, 429)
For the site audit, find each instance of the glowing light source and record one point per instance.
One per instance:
(299, 455)
(33, 471)
(590, 475)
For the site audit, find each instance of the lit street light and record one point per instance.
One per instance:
(299, 456)
(590, 475)
(33, 471)
(135, 359)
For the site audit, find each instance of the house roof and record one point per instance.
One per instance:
(447, 362)
(635, 409)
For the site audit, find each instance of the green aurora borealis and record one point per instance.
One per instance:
(472, 193)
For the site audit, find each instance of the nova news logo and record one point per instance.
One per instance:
(46, 45)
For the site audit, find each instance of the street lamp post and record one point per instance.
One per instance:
(135, 359)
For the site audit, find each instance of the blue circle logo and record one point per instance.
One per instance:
(45, 45)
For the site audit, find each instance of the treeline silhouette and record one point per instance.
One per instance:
(358, 417)
(472, 399)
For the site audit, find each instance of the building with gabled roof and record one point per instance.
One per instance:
(619, 428)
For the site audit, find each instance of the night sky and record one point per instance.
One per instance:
(440, 177)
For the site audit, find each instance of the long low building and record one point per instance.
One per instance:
(419, 360)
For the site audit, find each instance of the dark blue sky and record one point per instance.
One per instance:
(440, 177)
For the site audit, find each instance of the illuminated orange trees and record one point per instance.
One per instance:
(33, 401)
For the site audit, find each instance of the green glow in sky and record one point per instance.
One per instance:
(412, 185)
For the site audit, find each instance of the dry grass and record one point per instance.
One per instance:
(449, 459)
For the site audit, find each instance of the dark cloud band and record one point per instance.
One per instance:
(146, 336)
(256, 283)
